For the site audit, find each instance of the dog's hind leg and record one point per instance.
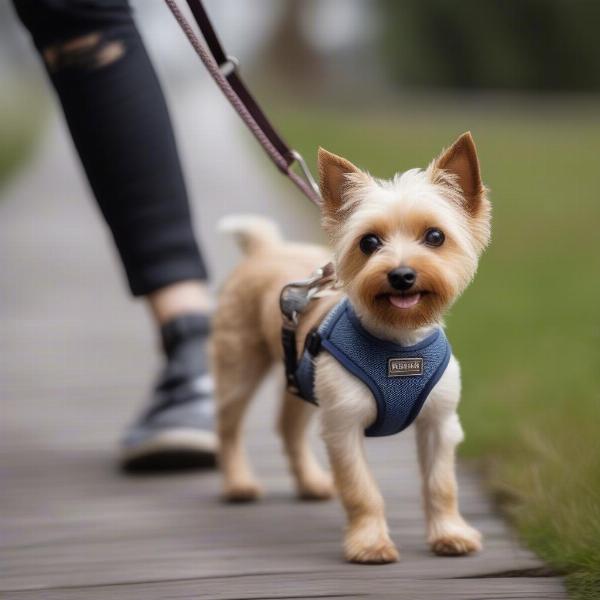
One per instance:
(238, 370)
(313, 483)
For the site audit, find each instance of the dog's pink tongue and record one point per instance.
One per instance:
(404, 301)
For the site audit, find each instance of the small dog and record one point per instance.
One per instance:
(403, 251)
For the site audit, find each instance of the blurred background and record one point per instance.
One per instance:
(387, 84)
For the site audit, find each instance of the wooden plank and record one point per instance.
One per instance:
(309, 585)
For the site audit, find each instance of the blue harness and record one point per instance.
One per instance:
(399, 377)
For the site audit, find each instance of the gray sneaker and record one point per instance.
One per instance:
(176, 431)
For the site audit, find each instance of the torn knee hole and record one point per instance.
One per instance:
(90, 51)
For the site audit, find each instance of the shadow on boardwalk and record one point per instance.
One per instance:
(74, 360)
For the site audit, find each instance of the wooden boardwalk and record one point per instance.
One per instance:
(75, 357)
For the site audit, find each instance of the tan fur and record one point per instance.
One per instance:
(449, 195)
(246, 343)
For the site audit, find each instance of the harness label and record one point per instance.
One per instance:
(405, 367)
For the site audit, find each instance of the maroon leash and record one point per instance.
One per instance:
(224, 70)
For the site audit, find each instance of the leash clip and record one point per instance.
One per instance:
(294, 298)
(296, 295)
(308, 176)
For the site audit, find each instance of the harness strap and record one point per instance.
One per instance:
(294, 299)
(223, 69)
(290, 358)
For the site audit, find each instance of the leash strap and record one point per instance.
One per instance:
(224, 70)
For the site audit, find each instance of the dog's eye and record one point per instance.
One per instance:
(369, 243)
(434, 237)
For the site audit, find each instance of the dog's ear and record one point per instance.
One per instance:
(334, 172)
(460, 160)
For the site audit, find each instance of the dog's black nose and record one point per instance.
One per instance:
(402, 278)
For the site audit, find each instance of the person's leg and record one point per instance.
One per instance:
(118, 119)
(176, 299)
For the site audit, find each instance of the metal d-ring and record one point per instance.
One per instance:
(297, 295)
(231, 65)
(306, 171)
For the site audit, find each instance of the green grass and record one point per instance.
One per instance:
(528, 330)
(21, 116)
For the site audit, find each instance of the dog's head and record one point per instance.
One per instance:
(406, 248)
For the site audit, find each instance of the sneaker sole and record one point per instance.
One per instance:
(172, 450)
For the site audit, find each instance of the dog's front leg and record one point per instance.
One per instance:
(367, 539)
(438, 433)
(347, 407)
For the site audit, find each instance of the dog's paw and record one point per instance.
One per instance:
(370, 546)
(318, 487)
(248, 491)
(455, 539)
(375, 554)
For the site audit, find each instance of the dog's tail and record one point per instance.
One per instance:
(251, 232)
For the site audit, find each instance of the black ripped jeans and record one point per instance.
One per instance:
(118, 118)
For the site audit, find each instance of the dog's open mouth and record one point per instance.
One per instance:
(406, 300)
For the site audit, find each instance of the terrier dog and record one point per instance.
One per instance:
(403, 252)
